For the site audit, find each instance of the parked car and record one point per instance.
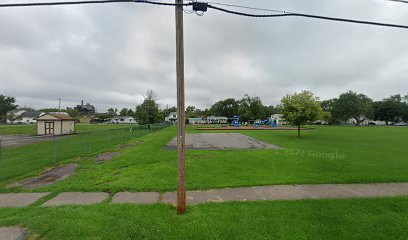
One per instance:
(402, 124)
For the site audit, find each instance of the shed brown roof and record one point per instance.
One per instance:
(59, 116)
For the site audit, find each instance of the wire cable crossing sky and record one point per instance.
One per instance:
(109, 53)
(281, 13)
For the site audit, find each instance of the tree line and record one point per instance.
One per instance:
(358, 106)
(349, 105)
(148, 112)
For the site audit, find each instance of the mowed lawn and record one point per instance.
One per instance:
(21, 162)
(323, 155)
(312, 219)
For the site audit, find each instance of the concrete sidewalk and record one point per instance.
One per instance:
(259, 193)
(12, 233)
(292, 192)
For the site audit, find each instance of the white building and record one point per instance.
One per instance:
(23, 117)
(55, 124)
(196, 121)
(123, 120)
(217, 120)
(278, 119)
(171, 118)
(352, 121)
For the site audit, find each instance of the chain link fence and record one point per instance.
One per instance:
(21, 155)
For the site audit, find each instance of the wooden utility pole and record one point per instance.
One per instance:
(181, 140)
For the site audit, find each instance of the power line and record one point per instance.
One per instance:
(33, 4)
(400, 1)
(292, 14)
(247, 7)
(278, 13)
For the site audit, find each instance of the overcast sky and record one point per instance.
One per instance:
(109, 55)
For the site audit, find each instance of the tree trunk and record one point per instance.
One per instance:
(298, 130)
(357, 121)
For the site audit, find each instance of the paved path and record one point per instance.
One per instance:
(261, 193)
(293, 192)
(19, 199)
(12, 233)
(220, 141)
(77, 198)
(18, 140)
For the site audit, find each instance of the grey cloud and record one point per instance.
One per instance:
(109, 55)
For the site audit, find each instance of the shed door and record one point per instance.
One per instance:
(49, 128)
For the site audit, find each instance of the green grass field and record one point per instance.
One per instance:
(369, 219)
(20, 162)
(323, 155)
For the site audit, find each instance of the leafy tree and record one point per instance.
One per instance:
(352, 105)
(405, 113)
(73, 113)
(190, 109)
(228, 108)
(390, 109)
(48, 110)
(328, 107)
(148, 112)
(200, 112)
(301, 108)
(112, 112)
(190, 112)
(251, 108)
(101, 117)
(28, 109)
(270, 110)
(248, 108)
(126, 112)
(6, 104)
(166, 112)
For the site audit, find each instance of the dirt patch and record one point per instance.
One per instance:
(48, 177)
(219, 141)
(125, 145)
(18, 140)
(106, 156)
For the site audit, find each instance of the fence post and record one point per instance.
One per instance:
(90, 148)
(0, 149)
(55, 150)
(108, 137)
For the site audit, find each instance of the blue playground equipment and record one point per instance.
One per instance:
(235, 122)
(271, 122)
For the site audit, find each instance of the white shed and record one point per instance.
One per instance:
(55, 124)
(123, 119)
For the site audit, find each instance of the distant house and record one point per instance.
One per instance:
(55, 124)
(23, 117)
(85, 109)
(217, 120)
(278, 119)
(363, 121)
(171, 118)
(379, 123)
(195, 121)
(85, 119)
(123, 120)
